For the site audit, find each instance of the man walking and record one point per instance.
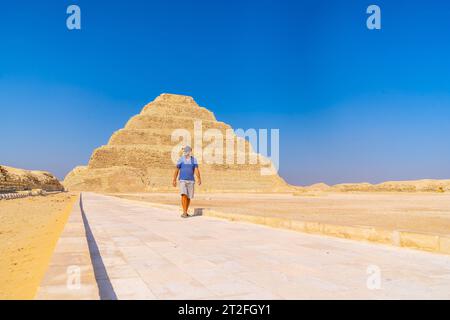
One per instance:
(186, 167)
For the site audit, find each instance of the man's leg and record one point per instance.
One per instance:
(184, 203)
(190, 193)
(188, 202)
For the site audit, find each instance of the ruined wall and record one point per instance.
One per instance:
(13, 180)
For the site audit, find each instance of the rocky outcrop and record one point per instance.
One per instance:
(14, 180)
(138, 158)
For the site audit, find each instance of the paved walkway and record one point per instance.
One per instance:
(144, 252)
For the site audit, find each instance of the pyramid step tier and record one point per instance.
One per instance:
(178, 110)
(148, 121)
(145, 156)
(164, 138)
(127, 179)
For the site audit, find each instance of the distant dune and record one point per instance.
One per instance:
(426, 185)
(13, 180)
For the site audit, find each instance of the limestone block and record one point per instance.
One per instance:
(313, 227)
(380, 235)
(444, 244)
(347, 232)
(278, 222)
(298, 225)
(419, 241)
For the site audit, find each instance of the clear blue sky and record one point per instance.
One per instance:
(351, 104)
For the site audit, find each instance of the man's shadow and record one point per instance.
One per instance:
(198, 212)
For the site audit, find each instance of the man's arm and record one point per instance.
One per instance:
(175, 176)
(197, 173)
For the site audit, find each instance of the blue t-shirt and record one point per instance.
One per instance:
(187, 167)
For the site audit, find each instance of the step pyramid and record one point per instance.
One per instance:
(139, 157)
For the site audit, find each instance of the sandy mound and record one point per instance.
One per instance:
(12, 180)
(412, 186)
(138, 158)
(426, 185)
(319, 187)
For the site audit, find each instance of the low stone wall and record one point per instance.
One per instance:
(9, 196)
(400, 238)
(24, 194)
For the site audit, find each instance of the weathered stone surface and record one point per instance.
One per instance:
(138, 158)
(13, 180)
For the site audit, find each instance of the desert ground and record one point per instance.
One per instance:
(143, 251)
(29, 230)
(416, 212)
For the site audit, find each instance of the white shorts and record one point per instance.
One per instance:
(187, 188)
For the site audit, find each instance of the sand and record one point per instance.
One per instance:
(416, 212)
(29, 230)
